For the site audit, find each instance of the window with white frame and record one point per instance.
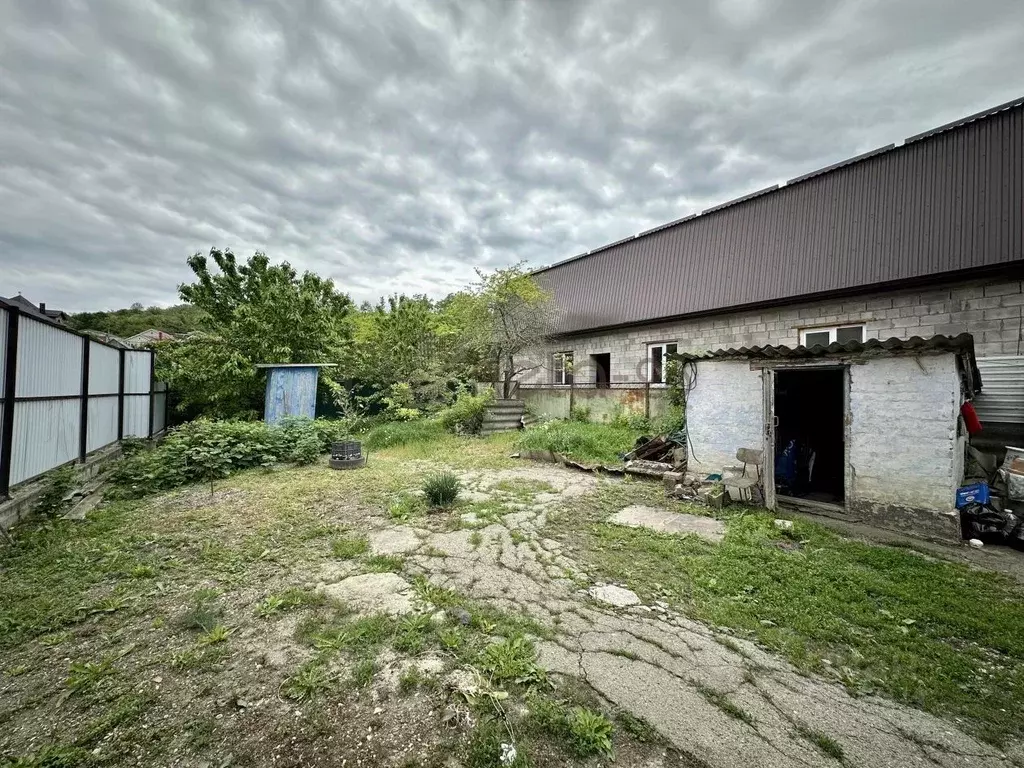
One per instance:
(657, 361)
(814, 337)
(562, 367)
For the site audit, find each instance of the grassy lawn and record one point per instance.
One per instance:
(882, 620)
(584, 442)
(189, 627)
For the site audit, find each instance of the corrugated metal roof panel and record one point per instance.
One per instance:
(962, 343)
(945, 203)
(1002, 397)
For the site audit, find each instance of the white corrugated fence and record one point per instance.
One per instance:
(64, 395)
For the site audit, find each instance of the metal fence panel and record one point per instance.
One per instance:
(104, 367)
(45, 436)
(102, 429)
(136, 416)
(136, 371)
(49, 360)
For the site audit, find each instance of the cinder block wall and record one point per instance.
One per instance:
(991, 310)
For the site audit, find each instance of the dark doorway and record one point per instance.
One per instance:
(810, 449)
(602, 369)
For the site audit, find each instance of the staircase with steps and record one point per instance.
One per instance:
(502, 416)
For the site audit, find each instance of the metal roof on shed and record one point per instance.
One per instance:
(950, 200)
(962, 343)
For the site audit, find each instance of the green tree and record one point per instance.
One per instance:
(512, 314)
(258, 312)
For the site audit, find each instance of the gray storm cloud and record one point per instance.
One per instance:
(396, 146)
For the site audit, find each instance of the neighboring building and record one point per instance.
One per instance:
(53, 315)
(108, 338)
(923, 239)
(150, 336)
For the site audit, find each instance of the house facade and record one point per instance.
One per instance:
(923, 241)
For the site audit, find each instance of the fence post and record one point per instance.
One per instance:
(10, 390)
(152, 390)
(572, 395)
(83, 422)
(120, 395)
(647, 399)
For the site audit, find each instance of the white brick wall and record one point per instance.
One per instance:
(724, 412)
(993, 311)
(903, 432)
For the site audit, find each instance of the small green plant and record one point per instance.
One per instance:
(385, 563)
(405, 508)
(312, 680)
(349, 547)
(442, 489)
(476, 539)
(142, 572)
(307, 449)
(58, 485)
(591, 732)
(466, 415)
(287, 600)
(86, 676)
(410, 679)
(514, 660)
(363, 672)
(203, 615)
(215, 634)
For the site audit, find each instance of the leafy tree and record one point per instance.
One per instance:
(512, 315)
(259, 313)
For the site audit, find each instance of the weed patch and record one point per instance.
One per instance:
(585, 442)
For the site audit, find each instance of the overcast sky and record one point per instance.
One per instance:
(395, 146)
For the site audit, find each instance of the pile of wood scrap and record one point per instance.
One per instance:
(654, 456)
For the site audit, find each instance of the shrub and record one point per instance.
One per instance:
(466, 415)
(442, 489)
(627, 419)
(205, 450)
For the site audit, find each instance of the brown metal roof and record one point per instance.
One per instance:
(947, 201)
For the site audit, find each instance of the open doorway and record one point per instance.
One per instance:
(602, 369)
(810, 445)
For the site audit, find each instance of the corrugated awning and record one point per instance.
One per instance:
(962, 345)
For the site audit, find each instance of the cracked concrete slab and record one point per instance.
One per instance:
(373, 593)
(666, 521)
(399, 540)
(617, 597)
(723, 700)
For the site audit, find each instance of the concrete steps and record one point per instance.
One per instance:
(502, 416)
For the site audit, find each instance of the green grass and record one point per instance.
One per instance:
(935, 635)
(725, 704)
(584, 442)
(825, 743)
(400, 433)
(349, 547)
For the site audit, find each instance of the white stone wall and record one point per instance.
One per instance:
(725, 412)
(993, 311)
(903, 433)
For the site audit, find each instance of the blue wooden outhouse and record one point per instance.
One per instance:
(291, 390)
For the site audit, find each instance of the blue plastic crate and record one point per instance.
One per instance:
(977, 493)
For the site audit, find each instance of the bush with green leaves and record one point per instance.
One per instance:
(466, 415)
(205, 451)
(588, 443)
(442, 489)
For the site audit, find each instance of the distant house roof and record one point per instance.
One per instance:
(53, 315)
(108, 338)
(944, 203)
(151, 334)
